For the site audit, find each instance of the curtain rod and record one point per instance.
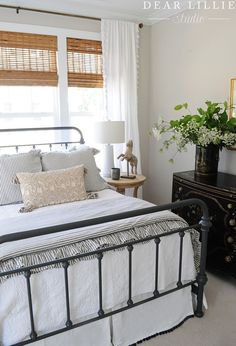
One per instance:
(18, 9)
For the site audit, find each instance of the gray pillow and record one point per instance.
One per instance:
(95, 151)
(59, 160)
(10, 165)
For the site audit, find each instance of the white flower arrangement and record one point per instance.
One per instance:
(210, 126)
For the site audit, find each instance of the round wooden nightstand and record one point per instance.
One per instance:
(124, 183)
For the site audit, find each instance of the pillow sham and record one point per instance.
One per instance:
(9, 166)
(53, 187)
(95, 151)
(60, 160)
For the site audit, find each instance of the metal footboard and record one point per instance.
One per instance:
(197, 284)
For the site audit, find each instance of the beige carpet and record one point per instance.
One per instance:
(216, 328)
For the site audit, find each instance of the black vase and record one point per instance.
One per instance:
(206, 160)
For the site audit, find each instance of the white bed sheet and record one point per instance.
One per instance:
(48, 286)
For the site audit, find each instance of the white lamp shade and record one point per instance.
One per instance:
(109, 132)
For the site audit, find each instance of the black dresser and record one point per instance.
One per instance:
(219, 193)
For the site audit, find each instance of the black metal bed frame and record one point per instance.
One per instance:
(197, 284)
(46, 129)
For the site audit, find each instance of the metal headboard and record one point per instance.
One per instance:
(50, 144)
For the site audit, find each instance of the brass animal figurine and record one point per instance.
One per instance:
(130, 157)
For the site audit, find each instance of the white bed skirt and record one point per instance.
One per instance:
(49, 302)
(130, 326)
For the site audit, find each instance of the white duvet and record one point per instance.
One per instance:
(48, 286)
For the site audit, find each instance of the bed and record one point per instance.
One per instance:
(112, 270)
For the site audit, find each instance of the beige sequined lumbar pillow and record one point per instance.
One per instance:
(52, 187)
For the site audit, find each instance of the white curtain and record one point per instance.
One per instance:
(120, 41)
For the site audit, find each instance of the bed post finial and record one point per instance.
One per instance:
(201, 276)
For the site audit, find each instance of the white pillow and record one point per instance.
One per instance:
(59, 160)
(10, 165)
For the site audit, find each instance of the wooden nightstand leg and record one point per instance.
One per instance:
(120, 190)
(135, 193)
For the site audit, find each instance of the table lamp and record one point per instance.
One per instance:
(108, 133)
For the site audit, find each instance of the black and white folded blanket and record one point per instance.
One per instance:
(36, 250)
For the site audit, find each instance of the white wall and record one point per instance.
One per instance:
(189, 63)
(25, 17)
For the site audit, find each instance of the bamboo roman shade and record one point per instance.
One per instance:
(28, 59)
(84, 59)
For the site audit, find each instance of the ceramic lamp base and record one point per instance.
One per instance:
(108, 160)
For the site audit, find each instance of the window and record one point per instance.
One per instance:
(85, 81)
(84, 59)
(27, 106)
(28, 80)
